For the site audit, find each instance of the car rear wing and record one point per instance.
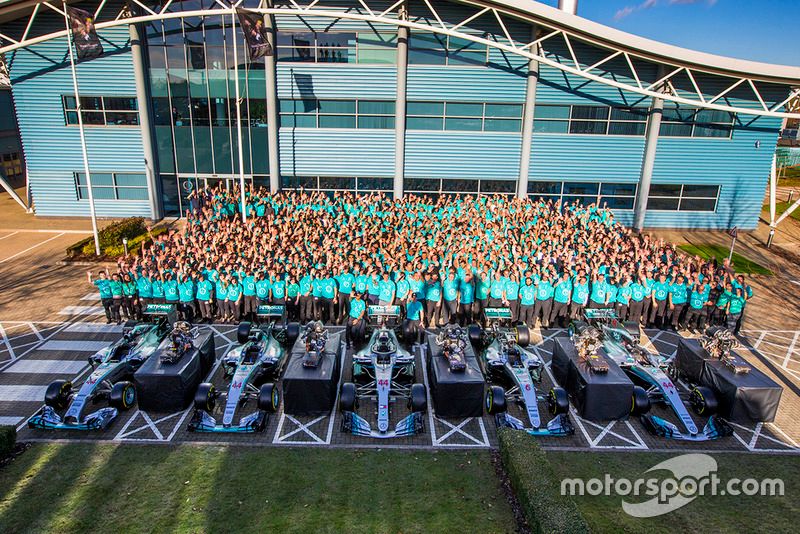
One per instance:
(276, 310)
(379, 314)
(155, 312)
(497, 313)
(593, 314)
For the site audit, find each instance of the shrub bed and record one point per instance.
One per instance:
(536, 485)
(111, 247)
(8, 438)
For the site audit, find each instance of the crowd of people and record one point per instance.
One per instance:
(328, 256)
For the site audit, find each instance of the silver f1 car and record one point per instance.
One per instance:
(383, 371)
(620, 341)
(249, 369)
(452, 339)
(67, 409)
(505, 361)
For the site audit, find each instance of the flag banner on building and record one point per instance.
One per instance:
(84, 34)
(255, 34)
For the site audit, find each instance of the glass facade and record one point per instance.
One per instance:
(191, 66)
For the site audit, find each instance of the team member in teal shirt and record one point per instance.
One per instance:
(129, 303)
(203, 294)
(735, 306)
(678, 296)
(512, 296)
(170, 289)
(433, 301)
(623, 299)
(263, 287)
(355, 320)
(346, 283)
(482, 286)
(658, 309)
(497, 291)
(527, 299)
(598, 298)
(144, 288)
(186, 297)
(580, 296)
(306, 302)
(373, 288)
(562, 292)
(249, 297)
(327, 298)
(544, 300)
(234, 299)
(278, 290)
(361, 283)
(450, 294)
(637, 300)
(696, 313)
(104, 287)
(386, 291)
(413, 322)
(466, 300)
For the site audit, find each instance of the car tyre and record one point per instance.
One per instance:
(205, 399)
(558, 401)
(703, 401)
(418, 401)
(269, 398)
(348, 399)
(57, 394)
(495, 400)
(523, 336)
(122, 396)
(640, 401)
(292, 332)
(475, 334)
(243, 332)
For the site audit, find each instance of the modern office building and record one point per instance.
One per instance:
(431, 96)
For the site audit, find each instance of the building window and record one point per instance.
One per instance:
(337, 47)
(363, 114)
(112, 186)
(434, 49)
(590, 120)
(688, 122)
(461, 116)
(12, 165)
(683, 197)
(614, 195)
(102, 110)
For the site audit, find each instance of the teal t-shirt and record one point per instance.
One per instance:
(661, 290)
(544, 290)
(413, 310)
(679, 292)
(374, 286)
(234, 291)
(346, 282)
(403, 287)
(580, 294)
(482, 288)
(204, 290)
(512, 290)
(327, 288)
(145, 287)
(698, 299)
(433, 292)
(158, 289)
(357, 307)
(562, 291)
(467, 293)
(262, 289)
(638, 292)
(249, 286)
(496, 289)
(527, 295)
(279, 289)
(361, 283)
(450, 289)
(186, 291)
(104, 286)
(386, 289)
(171, 290)
(599, 292)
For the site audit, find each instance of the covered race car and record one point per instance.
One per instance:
(602, 330)
(250, 370)
(453, 340)
(383, 371)
(112, 367)
(505, 361)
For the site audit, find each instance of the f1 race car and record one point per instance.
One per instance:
(249, 370)
(453, 340)
(620, 341)
(383, 371)
(505, 361)
(112, 367)
(315, 338)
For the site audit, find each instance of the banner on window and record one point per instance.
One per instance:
(84, 34)
(255, 34)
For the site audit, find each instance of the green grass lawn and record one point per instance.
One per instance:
(705, 513)
(780, 207)
(740, 263)
(790, 176)
(81, 487)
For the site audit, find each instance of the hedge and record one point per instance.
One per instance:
(8, 438)
(111, 239)
(536, 485)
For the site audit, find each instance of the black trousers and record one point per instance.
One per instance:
(352, 331)
(542, 309)
(325, 310)
(465, 313)
(186, 310)
(343, 302)
(659, 312)
(292, 309)
(116, 304)
(205, 309)
(480, 305)
(127, 307)
(695, 318)
(677, 310)
(622, 311)
(432, 313)
(495, 303)
(635, 310)
(250, 304)
(646, 305)
(513, 305)
(107, 305)
(450, 311)
(576, 311)
(526, 315)
(560, 310)
(414, 327)
(306, 308)
(372, 300)
(731, 320)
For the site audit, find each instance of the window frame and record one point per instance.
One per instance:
(571, 121)
(102, 110)
(680, 197)
(114, 186)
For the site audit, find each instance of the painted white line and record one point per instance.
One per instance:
(10, 420)
(45, 231)
(790, 350)
(338, 390)
(82, 310)
(9, 235)
(6, 343)
(94, 328)
(31, 248)
(71, 345)
(52, 367)
(91, 296)
(22, 393)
